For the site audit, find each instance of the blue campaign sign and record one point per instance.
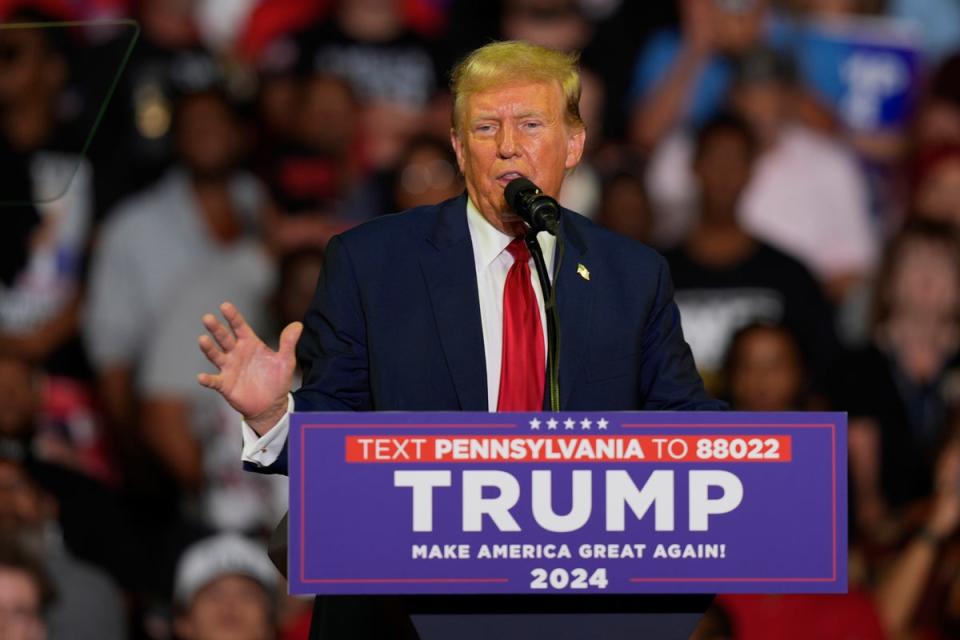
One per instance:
(612, 502)
(868, 69)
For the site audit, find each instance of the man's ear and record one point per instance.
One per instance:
(457, 147)
(575, 142)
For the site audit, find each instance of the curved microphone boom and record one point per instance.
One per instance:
(537, 209)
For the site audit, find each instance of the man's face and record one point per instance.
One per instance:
(209, 138)
(924, 283)
(31, 77)
(765, 105)
(20, 617)
(723, 170)
(29, 72)
(229, 608)
(768, 374)
(511, 132)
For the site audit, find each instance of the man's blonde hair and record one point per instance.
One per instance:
(515, 62)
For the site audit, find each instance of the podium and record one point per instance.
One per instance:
(566, 525)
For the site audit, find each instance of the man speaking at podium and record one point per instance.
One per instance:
(440, 309)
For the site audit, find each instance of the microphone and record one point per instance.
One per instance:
(538, 210)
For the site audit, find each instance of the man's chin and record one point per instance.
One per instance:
(514, 224)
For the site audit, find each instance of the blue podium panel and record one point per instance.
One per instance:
(539, 503)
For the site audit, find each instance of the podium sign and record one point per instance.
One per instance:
(537, 503)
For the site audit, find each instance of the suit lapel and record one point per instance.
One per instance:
(575, 300)
(448, 268)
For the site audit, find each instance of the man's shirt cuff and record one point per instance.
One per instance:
(264, 451)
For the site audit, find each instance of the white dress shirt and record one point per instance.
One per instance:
(492, 262)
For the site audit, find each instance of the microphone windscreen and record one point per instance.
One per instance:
(514, 188)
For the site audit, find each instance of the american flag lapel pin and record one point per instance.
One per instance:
(583, 272)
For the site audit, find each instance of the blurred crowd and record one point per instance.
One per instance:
(797, 162)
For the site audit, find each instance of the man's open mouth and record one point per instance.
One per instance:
(506, 178)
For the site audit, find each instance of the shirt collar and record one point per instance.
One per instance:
(489, 242)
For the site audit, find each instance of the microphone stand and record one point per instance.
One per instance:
(552, 312)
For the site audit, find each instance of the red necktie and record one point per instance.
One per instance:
(522, 364)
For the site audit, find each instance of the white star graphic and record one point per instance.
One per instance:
(585, 424)
(552, 424)
(602, 424)
(568, 423)
(534, 424)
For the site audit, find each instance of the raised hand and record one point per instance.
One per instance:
(253, 378)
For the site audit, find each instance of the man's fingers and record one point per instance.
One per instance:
(210, 350)
(289, 337)
(236, 320)
(221, 334)
(210, 381)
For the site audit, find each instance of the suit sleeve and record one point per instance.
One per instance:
(332, 352)
(668, 374)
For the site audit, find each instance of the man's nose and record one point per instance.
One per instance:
(507, 142)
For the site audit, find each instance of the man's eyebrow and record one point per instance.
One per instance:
(493, 115)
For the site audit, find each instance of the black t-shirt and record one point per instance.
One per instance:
(400, 70)
(765, 286)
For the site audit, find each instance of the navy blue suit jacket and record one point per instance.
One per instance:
(394, 324)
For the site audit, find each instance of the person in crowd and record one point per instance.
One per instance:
(89, 513)
(48, 200)
(225, 589)
(192, 433)
(764, 370)
(135, 143)
(937, 122)
(624, 207)
(807, 196)
(725, 278)
(557, 24)
(427, 174)
(159, 237)
(389, 66)
(897, 389)
(936, 186)
(681, 77)
(917, 592)
(314, 172)
(26, 593)
(89, 605)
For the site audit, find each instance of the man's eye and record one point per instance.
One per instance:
(532, 125)
(484, 128)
